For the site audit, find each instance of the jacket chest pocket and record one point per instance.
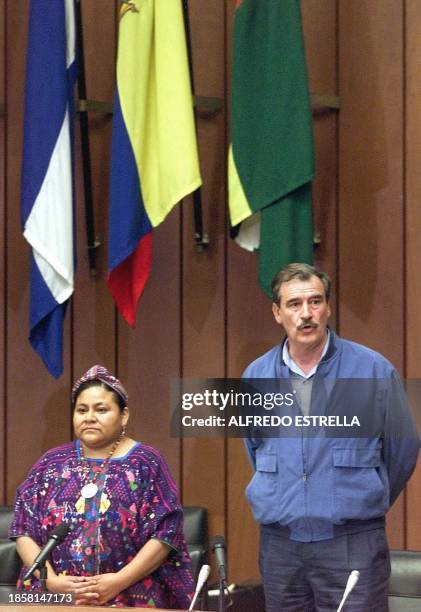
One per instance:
(358, 491)
(267, 463)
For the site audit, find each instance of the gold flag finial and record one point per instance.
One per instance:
(126, 6)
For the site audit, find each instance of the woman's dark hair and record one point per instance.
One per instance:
(98, 383)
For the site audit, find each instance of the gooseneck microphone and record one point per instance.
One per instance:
(219, 548)
(56, 537)
(201, 580)
(352, 581)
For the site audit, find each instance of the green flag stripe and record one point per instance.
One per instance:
(271, 116)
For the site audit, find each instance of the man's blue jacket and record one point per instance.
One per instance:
(317, 484)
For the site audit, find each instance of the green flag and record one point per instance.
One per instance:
(271, 161)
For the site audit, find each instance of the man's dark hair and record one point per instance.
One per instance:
(301, 271)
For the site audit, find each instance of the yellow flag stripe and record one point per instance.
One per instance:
(156, 101)
(238, 205)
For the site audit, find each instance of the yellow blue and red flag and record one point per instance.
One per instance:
(154, 150)
(47, 183)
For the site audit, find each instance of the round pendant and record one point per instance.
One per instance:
(89, 490)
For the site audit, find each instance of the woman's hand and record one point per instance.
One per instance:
(99, 590)
(82, 587)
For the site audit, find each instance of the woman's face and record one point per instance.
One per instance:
(97, 418)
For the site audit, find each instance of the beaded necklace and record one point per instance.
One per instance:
(90, 488)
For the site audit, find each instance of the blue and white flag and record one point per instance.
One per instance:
(47, 181)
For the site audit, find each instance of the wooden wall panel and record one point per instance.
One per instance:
(371, 155)
(319, 25)
(413, 240)
(370, 187)
(94, 328)
(149, 355)
(3, 440)
(37, 406)
(203, 274)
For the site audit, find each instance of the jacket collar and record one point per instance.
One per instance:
(332, 349)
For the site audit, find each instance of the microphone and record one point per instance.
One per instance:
(56, 536)
(203, 576)
(219, 548)
(352, 581)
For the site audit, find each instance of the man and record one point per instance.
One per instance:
(320, 496)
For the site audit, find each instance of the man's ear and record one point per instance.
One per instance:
(276, 313)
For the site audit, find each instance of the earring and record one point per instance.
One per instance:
(123, 431)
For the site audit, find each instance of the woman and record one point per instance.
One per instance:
(126, 545)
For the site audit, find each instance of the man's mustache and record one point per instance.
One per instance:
(308, 324)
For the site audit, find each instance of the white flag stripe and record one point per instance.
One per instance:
(51, 221)
(249, 235)
(69, 8)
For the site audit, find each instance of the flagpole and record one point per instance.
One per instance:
(92, 242)
(202, 240)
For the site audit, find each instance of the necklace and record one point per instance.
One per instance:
(90, 489)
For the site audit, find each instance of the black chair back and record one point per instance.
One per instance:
(196, 533)
(10, 563)
(405, 581)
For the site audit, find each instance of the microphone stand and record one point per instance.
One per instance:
(204, 598)
(221, 599)
(43, 576)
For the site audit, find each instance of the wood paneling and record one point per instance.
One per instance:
(94, 328)
(370, 240)
(3, 439)
(149, 355)
(320, 35)
(203, 273)
(412, 241)
(203, 314)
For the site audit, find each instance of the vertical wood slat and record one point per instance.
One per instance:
(94, 332)
(413, 240)
(319, 26)
(203, 278)
(370, 188)
(37, 407)
(149, 355)
(4, 252)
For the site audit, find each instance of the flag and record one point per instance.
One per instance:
(154, 150)
(271, 160)
(47, 193)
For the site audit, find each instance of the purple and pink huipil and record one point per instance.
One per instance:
(137, 500)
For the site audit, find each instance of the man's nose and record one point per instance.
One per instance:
(305, 311)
